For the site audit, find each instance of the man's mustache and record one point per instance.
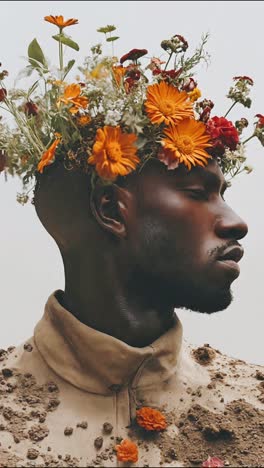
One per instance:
(220, 250)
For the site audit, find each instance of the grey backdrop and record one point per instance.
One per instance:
(30, 264)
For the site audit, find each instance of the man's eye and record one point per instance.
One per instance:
(198, 194)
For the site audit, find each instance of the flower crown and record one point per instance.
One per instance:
(119, 114)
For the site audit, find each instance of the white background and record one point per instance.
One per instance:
(30, 264)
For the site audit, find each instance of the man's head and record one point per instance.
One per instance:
(168, 234)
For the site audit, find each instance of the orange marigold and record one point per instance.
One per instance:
(151, 419)
(71, 95)
(167, 104)
(59, 21)
(187, 143)
(127, 451)
(114, 153)
(49, 154)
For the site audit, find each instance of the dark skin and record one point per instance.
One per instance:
(145, 248)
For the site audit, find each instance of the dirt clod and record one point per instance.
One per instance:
(107, 428)
(204, 355)
(32, 454)
(98, 443)
(28, 347)
(82, 424)
(68, 431)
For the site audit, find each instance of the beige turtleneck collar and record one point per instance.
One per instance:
(97, 362)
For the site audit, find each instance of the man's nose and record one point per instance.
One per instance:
(230, 226)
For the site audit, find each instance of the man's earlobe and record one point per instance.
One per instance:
(108, 207)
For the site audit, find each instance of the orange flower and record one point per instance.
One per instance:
(119, 72)
(187, 142)
(167, 104)
(71, 95)
(127, 451)
(49, 154)
(60, 22)
(83, 120)
(194, 94)
(114, 153)
(151, 419)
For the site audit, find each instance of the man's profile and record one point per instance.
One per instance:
(135, 203)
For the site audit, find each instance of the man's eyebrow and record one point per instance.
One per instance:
(212, 179)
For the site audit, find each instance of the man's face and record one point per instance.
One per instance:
(183, 240)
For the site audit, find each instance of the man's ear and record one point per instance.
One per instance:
(110, 206)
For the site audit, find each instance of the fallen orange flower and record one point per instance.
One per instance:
(151, 419)
(49, 154)
(127, 451)
(60, 22)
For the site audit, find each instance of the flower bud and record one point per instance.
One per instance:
(3, 94)
(3, 160)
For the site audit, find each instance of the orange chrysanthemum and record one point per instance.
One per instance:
(187, 142)
(167, 104)
(151, 419)
(60, 22)
(114, 153)
(127, 451)
(71, 95)
(49, 154)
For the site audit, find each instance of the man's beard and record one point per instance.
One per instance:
(175, 285)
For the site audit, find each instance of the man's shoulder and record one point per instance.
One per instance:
(228, 375)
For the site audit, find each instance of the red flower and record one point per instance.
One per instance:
(2, 94)
(260, 123)
(3, 160)
(183, 41)
(30, 108)
(167, 73)
(133, 54)
(223, 134)
(189, 85)
(244, 78)
(213, 462)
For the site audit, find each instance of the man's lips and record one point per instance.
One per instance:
(230, 258)
(234, 253)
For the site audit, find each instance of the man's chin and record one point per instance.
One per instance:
(206, 304)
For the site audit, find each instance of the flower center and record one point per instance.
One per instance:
(113, 152)
(185, 144)
(167, 108)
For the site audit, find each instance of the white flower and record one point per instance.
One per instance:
(112, 117)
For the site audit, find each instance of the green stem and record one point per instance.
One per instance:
(61, 55)
(252, 136)
(230, 108)
(168, 61)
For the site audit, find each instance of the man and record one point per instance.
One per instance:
(111, 343)
(130, 171)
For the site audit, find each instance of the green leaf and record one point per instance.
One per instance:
(107, 29)
(112, 39)
(35, 54)
(66, 40)
(68, 68)
(32, 89)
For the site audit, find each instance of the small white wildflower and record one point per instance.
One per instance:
(112, 117)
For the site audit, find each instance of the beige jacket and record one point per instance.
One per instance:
(59, 389)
